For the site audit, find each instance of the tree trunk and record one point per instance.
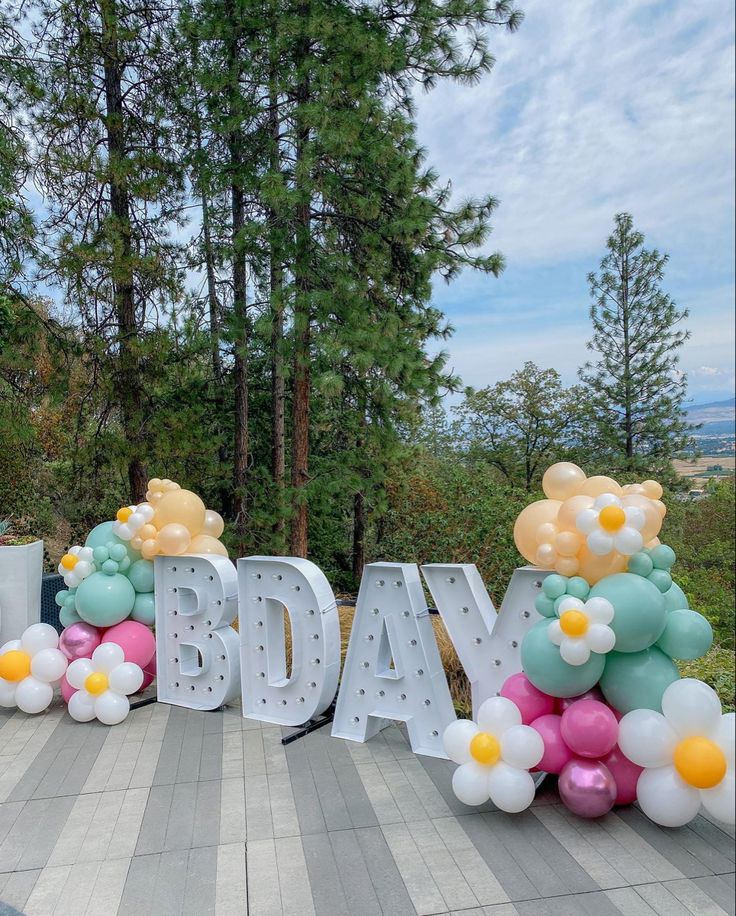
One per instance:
(358, 535)
(302, 323)
(129, 386)
(628, 399)
(213, 306)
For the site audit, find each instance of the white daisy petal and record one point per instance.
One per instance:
(725, 736)
(635, 517)
(81, 706)
(78, 672)
(456, 740)
(569, 603)
(600, 543)
(7, 693)
(586, 521)
(628, 541)
(554, 633)
(599, 610)
(647, 738)
(720, 801)
(691, 708)
(107, 656)
(522, 747)
(470, 783)
(497, 714)
(665, 798)
(606, 499)
(600, 638)
(574, 651)
(511, 789)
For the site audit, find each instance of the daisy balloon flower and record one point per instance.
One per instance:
(609, 525)
(76, 565)
(495, 756)
(687, 751)
(582, 628)
(30, 667)
(103, 684)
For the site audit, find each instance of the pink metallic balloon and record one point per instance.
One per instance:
(564, 703)
(79, 640)
(587, 788)
(589, 728)
(626, 775)
(531, 702)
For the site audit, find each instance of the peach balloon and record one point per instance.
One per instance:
(136, 542)
(653, 489)
(180, 507)
(567, 543)
(213, 523)
(173, 539)
(546, 533)
(205, 543)
(592, 568)
(653, 520)
(594, 486)
(147, 531)
(632, 488)
(660, 507)
(527, 522)
(149, 549)
(546, 556)
(562, 480)
(570, 510)
(567, 566)
(655, 542)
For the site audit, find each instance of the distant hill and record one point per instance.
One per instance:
(718, 429)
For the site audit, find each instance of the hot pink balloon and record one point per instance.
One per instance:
(135, 639)
(589, 728)
(79, 640)
(625, 773)
(556, 752)
(531, 702)
(566, 702)
(67, 691)
(587, 787)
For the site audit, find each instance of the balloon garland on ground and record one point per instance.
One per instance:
(599, 684)
(107, 649)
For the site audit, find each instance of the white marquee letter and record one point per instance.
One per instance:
(393, 668)
(268, 586)
(487, 644)
(196, 648)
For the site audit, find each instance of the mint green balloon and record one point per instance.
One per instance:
(545, 606)
(675, 599)
(104, 600)
(68, 616)
(143, 609)
(661, 578)
(103, 534)
(140, 574)
(578, 587)
(554, 586)
(637, 680)
(641, 564)
(687, 635)
(663, 557)
(639, 608)
(545, 668)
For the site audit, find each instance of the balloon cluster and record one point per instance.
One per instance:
(588, 526)
(172, 522)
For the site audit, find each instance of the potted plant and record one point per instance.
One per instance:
(21, 568)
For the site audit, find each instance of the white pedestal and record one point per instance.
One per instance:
(21, 568)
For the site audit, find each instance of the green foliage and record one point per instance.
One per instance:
(717, 669)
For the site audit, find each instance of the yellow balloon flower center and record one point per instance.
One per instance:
(122, 515)
(612, 518)
(15, 665)
(69, 560)
(574, 623)
(485, 748)
(96, 683)
(700, 762)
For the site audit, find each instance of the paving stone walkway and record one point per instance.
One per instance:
(181, 812)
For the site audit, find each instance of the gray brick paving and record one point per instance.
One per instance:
(183, 812)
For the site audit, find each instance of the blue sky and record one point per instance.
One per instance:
(593, 107)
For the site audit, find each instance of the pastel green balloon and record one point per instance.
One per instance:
(141, 575)
(545, 668)
(661, 578)
(641, 564)
(637, 680)
(687, 635)
(639, 607)
(554, 586)
(675, 599)
(545, 606)
(103, 534)
(143, 609)
(663, 557)
(104, 600)
(68, 616)
(578, 587)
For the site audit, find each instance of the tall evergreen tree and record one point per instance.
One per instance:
(635, 387)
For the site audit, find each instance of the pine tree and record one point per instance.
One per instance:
(636, 389)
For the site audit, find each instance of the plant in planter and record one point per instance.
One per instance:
(21, 568)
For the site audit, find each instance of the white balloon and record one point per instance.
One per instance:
(49, 665)
(635, 517)
(586, 521)
(600, 543)
(599, 610)
(720, 801)
(522, 747)
(725, 736)
(147, 511)
(126, 678)
(628, 541)
(646, 738)
(574, 651)
(456, 740)
(78, 672)
(511, 789)
(32, 695)
(9, 646)
(111, 708)
(606, 499)
(569, 604)
(691, 708)
(600, 638)
(39, 636)
(497, 714)
(81, 706)
(470, 784)
(665, 798)
(554, 633)
(107, 656)
(124, 532)
(7, 693)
